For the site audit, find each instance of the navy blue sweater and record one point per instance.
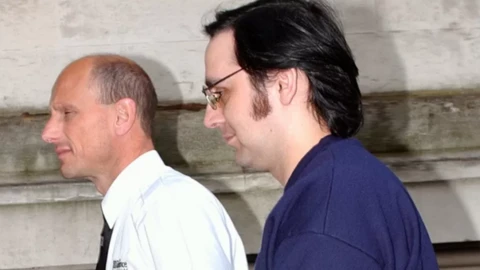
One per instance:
(344, 209)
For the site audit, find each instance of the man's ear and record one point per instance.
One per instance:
(125, 115)
(287, 80)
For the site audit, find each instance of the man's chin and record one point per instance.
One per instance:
(68, 173)
(243, 160)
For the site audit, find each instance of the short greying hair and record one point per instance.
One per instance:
(118, 77)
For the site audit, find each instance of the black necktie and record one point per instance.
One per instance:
(104, 243)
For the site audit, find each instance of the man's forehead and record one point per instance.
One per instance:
(69, 79)
(71, 83)
(220, 55)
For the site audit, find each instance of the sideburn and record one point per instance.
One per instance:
(261, 105)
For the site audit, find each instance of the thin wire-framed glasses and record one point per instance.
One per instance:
(214, 97)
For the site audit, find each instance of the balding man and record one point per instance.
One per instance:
(102, 108)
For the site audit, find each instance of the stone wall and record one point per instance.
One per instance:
(418, 64)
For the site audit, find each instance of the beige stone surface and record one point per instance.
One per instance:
(430, 140)
(399, 45)
(393, 124)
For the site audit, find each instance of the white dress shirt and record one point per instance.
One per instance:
(162, 219)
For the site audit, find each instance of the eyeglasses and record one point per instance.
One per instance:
(214, 97)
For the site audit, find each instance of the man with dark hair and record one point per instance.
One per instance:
(281, 86)
(102, 108)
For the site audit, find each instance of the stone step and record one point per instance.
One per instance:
(72, 267)
(466, 259)
(447, 260)
(16, 188)
(428, 139)
(393, 123)
(53, 230)
(60, 267)
(81, 267)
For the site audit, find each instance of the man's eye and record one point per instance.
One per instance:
(217, 95)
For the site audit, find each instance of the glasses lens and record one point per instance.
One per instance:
(212, 100)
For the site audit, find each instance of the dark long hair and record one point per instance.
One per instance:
(273, 35)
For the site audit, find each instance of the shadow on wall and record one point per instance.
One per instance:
(391, 125)
(165, 136)
(166, 140)
(380, 70)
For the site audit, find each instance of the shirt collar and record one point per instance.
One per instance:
(130, 183)
(311, 154)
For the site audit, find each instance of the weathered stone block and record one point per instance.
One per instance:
(393, 124)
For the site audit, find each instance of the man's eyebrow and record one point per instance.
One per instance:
(62, 107)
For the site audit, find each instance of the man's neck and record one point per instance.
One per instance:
(296, 146)
(125, 155)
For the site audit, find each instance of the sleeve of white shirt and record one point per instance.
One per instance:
(190, 231)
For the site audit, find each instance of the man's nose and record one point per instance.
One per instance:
(213, 118)
(51, 132)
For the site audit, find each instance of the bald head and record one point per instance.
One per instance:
(73, 74)
(101, 114)
(115, 77)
